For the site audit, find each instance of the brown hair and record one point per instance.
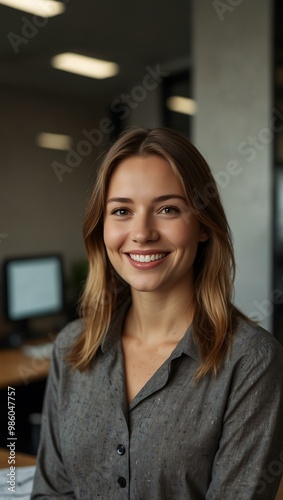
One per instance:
(215, 317)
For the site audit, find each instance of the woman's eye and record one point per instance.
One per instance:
(120, 212)
(170, 210)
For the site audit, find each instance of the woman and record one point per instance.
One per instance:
(163, 390)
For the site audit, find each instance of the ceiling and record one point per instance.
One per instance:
(134, 34)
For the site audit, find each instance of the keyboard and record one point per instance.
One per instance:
(40, 351)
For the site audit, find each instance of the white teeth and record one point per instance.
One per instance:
(147, 258)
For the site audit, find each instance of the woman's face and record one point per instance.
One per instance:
(150, 235)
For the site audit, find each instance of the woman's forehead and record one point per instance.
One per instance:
(147, 173)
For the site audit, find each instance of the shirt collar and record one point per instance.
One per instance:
(188, 345)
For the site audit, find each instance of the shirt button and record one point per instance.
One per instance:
(122, 482)
(120, 449)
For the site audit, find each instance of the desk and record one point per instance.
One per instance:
(28, 376)
(22, 459)
(18, 369)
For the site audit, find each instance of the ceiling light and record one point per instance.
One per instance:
(54, 141)
(42, 8)
(83, 65)
(182, 105)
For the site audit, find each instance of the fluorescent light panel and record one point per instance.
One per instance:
(83, 65)
(42, 8)
(182, 105)
(54, 141)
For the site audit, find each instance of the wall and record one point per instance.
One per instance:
(147, 113)
(232, 85)
(41, 208)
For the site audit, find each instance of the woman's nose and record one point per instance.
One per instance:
(144, 230)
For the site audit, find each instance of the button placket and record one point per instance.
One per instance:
(121, 450)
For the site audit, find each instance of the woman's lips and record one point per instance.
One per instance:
(148, 257)
(146, 261)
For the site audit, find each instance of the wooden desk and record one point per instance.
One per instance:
(22, 459)
(18, 369)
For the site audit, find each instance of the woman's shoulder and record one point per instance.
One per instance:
(252, 339)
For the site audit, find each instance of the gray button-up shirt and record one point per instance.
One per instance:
(221, 438)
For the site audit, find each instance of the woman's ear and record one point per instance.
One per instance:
(204, 235)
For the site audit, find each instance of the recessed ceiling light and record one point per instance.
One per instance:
(83, 65)
(42, 8)
(54, 141)
(182, 105)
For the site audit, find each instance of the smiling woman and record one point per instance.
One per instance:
(167, 390)
(151, 229)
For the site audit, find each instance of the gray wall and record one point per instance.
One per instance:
(39, 210)
(232, 85)
(147, 113)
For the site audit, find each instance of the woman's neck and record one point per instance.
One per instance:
(159, 316)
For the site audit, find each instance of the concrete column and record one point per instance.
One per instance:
(232, 67)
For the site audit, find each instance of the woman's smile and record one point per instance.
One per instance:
(147, 257)
(146, 261)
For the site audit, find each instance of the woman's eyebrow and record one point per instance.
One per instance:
(157, 199)
(119, 200)
(166, 197)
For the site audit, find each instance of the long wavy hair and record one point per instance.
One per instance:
(215, 317)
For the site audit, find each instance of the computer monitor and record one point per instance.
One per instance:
(33, 287)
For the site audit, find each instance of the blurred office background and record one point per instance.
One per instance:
(212, 70)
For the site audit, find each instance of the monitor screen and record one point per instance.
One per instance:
(33, 287)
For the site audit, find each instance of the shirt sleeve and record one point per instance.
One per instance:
(249, 462)
(51, 479)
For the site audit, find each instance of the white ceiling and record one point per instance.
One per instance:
(132, 33)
